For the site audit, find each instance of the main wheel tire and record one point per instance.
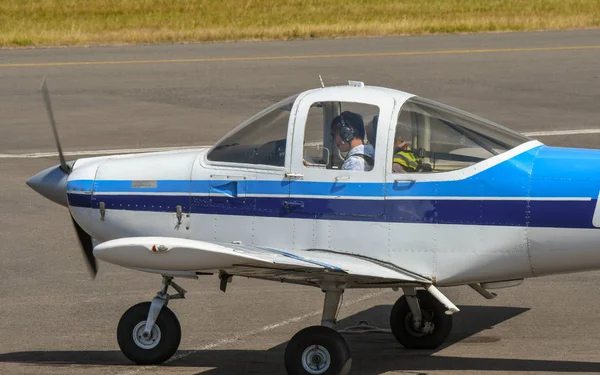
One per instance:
(317, 350)
(160, 346)
(432, 311)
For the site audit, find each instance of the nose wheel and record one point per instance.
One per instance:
(148, 348)
(149, 332)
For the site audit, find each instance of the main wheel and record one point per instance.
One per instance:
(435, 327)
(317, 350)
(163, 341)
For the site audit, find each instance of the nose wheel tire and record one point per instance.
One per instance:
(152, 349)
(317, 350)
(434, 329)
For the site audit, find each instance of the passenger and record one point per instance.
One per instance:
(348, 132)
(405, 160)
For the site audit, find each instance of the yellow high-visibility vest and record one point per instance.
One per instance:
(408, 160)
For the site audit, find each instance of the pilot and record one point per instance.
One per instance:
(348, 131)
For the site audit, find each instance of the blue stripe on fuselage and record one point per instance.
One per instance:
(474, 187)
(551, 213)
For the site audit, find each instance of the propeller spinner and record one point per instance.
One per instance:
(52, 184)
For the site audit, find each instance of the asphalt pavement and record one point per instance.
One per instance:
(56, 320)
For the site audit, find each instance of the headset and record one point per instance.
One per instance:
(347, 132)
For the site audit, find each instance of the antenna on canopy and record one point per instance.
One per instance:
(321, 79)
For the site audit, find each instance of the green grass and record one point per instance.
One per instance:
(90, 22)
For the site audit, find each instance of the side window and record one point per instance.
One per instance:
(339, 135)
(432, 138)
(261, 140)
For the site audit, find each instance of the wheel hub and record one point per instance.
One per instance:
(425, 328)
(316, 359)
(146, 341)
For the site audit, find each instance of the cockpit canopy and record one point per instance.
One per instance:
(440, 137)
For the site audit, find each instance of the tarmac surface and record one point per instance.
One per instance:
(56, 320)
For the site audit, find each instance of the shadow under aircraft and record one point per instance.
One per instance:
(375, 352)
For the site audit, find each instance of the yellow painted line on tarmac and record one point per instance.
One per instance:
(300, 57)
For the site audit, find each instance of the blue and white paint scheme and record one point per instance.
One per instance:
(269, 201)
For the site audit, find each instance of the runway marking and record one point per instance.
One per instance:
(36, 155)
(299, 57)
(266, 328)
(561, 132)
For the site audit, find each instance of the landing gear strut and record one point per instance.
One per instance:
(149, 332)
(419, 321)
(320, 349)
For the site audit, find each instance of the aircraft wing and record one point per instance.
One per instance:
(175, 256)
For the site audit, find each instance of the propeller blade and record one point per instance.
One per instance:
(85, 240)
(63, 164)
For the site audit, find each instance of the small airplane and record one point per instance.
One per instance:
(440, 197)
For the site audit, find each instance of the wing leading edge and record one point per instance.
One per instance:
(175, 256)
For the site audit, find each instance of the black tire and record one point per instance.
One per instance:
(323, 338)
(432, 311)
(170, 335)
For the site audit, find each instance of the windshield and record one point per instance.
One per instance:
(260, 140)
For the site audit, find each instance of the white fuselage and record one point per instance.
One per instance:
(449, 239)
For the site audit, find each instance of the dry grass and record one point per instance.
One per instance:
(84, 22)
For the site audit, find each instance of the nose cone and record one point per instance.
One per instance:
(52, 184)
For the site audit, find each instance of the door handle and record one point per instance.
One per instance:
(290, 205)
(403, 183)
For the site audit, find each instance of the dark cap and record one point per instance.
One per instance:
(352, 121)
